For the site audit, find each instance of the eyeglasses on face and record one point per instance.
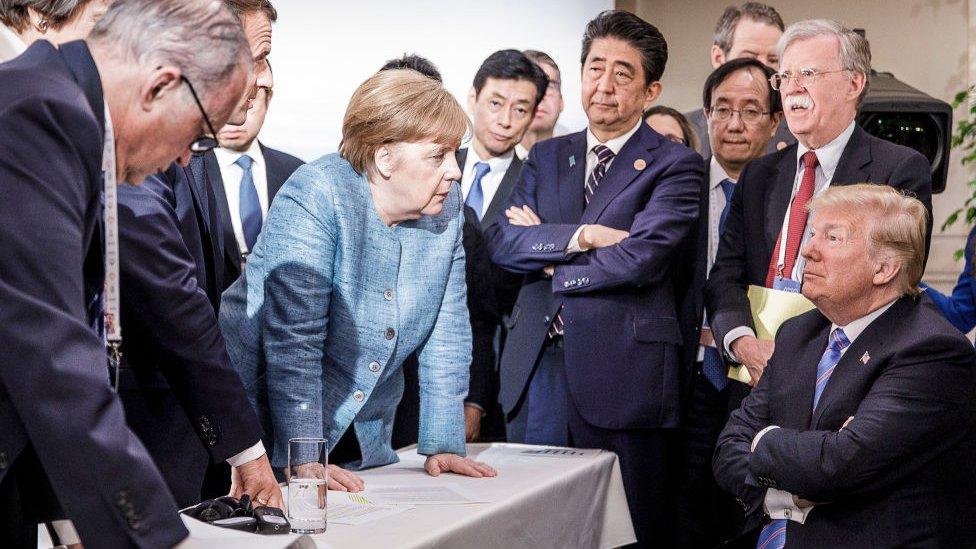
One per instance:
(203, 143)
(802, 79)
(749, 115)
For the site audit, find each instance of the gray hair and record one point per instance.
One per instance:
(58, 12)
(855, 52)
(201, 37)
(725, 29)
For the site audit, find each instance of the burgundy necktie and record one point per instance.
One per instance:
(798, 221)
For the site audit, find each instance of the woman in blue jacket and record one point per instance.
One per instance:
(360, 264)
(960, 307)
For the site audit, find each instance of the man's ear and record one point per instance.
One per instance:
(158, 85)
(383, 161)
(858, 82)
(651, 94)
(718, 57)
(885, 271)
(774, 118)
(472, 99)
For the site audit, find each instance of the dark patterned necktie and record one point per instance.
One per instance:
(603, 157)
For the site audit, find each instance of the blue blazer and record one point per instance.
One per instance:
(960, 307)
(56, 405)
(622, 335)
(332, 301)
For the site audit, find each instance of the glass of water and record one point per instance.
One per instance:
(307, 479)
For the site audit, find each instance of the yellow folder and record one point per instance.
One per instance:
(770, 309)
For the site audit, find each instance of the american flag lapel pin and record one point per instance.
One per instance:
(865, 358)
(572, 160)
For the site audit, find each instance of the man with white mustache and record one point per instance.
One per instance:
(823, 78)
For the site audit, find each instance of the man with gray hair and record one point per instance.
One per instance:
(75, 121)
(825, 75)
(861, 431)
(747, 30)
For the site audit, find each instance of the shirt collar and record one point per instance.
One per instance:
(716, 174)
(10, 37)
(497, 164)
(855, 327)
(227, 158)
(614, 144)
(828, 156)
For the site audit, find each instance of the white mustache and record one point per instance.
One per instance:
(803, 101)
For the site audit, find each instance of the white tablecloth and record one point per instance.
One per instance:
(558, 502)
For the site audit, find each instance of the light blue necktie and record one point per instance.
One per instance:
(773, 535)
(250, 205)
(476, 196)
(713, 367)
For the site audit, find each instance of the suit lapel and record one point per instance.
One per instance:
(622, 171)
(779, 197)
(571, 165)
(873, 337)
(803, 378)
(275, 173)
(854, 160)
(503, 192)
(220, 195)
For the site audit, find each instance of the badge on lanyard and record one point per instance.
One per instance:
(780, 282)
(786, 284)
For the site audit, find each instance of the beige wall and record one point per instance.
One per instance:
(925, 43)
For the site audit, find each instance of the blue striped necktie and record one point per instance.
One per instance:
(773, 535)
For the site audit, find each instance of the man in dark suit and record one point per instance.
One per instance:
(750, 30)
(862, 430)
(65, 450)
(596, 223)
(506, 91)
(821, 87)
(181, 394)
(245, 175)
(743, 112)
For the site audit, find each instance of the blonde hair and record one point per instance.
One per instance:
(399, 105)
(896, 225)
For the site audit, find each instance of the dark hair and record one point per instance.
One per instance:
(726, 70)
(542, 58)
(414, 62)
(689, 134)
(15, 14)
(512, 65)
(244, 7)
(725, 29)
(640, 34)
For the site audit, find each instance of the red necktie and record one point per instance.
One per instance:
(798, 221)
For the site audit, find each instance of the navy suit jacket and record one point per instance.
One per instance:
(900, 474)
(54, 390)
(279, 167)
(622, 334)
(171, 341)
(759, 206)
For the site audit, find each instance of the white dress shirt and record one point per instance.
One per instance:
(232, 174)
(779, 503)
(716, 203)
(490, 181)
(828, 157)
(614, 145)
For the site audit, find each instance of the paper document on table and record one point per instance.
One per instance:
(770, 309)
(355, 508)
(420, 494)
(559, 452)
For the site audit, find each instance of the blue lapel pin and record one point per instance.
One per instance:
(572, 160)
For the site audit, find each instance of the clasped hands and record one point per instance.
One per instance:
(591, 236)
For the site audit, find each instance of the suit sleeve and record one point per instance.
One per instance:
(730, 463)
(916, 408)
(725, 288)
(177, 322)
(299, 244)
(528, 249)
(52, 365)
(444, 361)
(960, 307)
(656, 235)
